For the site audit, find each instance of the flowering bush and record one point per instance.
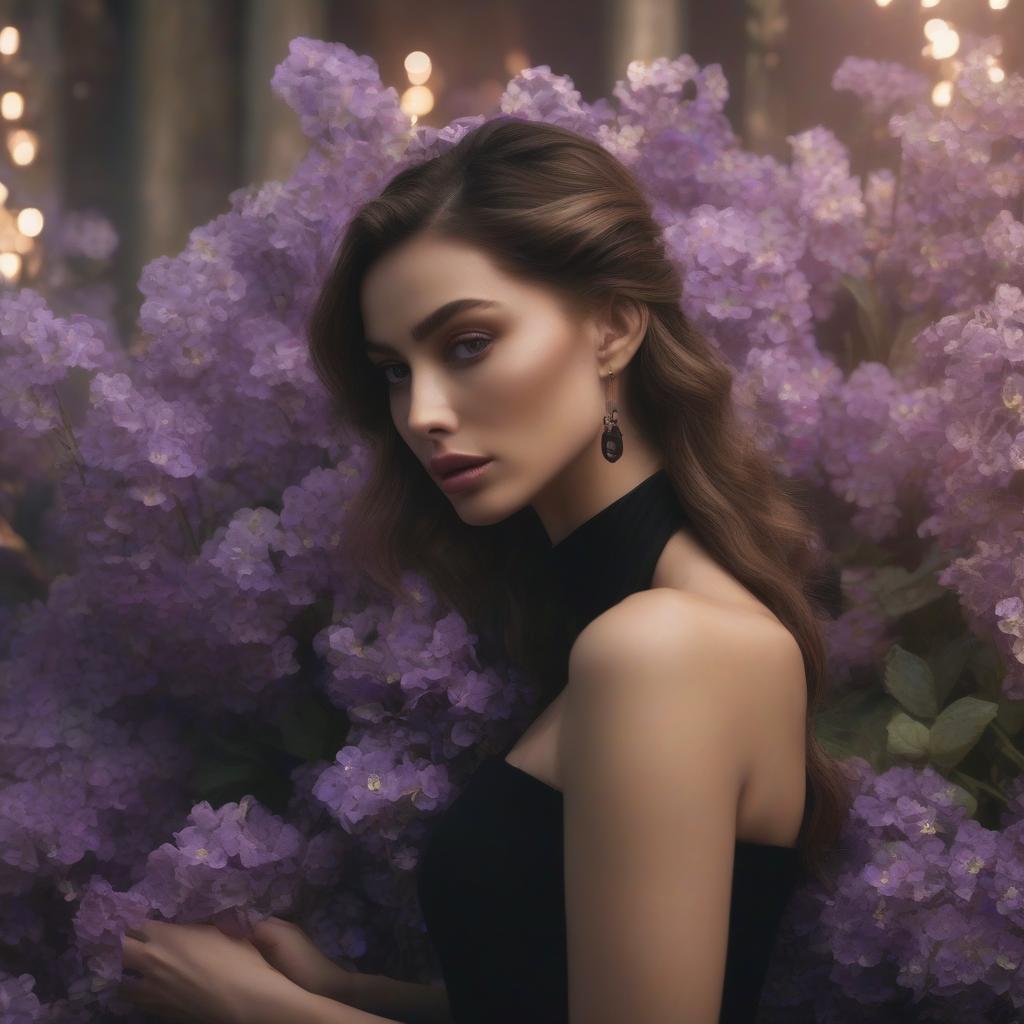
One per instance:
(208, 668)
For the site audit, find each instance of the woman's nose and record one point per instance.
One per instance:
(429, 405)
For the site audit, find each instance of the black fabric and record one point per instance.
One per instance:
(613, 553)
(490, 879)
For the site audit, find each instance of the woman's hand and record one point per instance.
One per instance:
(194, 972)
(286, 947)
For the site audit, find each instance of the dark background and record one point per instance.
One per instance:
(152, 111)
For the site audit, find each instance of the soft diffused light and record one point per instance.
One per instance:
(12, 105)
(10, 265)
(10, 38)
(515, 60)
(998, 5)
(942, 94)
(418, 67)
(417, 100)
(883, 3)
(996, 74)
(934, 28)
(946, 45)
(30, 221)
(21, 144)
(929, 3)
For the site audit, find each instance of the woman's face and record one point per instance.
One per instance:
(516, 380)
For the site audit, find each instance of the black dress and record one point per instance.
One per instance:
(490, 879)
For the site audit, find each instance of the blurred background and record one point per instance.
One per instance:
(177, 622)
(127, 123)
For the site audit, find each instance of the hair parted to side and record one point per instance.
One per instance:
(551, 207)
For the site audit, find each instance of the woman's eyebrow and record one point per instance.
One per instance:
(436, 320)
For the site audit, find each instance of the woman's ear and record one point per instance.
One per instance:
(624, 327)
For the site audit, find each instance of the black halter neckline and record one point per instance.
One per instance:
(614, 552)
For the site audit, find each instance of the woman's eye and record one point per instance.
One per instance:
(477, 343)
(384, 373)
(471, 338)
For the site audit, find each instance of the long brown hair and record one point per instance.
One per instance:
(550, 206)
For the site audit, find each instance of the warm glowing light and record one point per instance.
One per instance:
(996, 74)
(417, 61)
(417, 100)
(515, 60)
(944, 40)
(30, 221)
(418, 67)
(929, 3)
(998, 5)
(12, 105)
(942, 94)
(883, 3)
(3, 193)
(946, 45)
(10, 37)
(21, 144)
(10, 265)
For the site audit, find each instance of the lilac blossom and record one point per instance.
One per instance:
(204, 489)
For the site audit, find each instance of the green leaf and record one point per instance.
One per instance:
(871, 315)
(947, 660)
(986, 664)
(958, 728)
(902, 354)
(909, 679)
(901, 594)
(907, 737)
(855, 726)
(899, 591)
(1011, 715)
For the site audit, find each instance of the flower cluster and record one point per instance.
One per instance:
(876, 331)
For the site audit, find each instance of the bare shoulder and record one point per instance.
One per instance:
(693, 649)
(656, 747)
(669, 627)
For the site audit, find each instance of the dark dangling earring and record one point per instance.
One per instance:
(611, 439)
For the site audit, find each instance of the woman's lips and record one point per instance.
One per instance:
(465, 478)
(463, 468)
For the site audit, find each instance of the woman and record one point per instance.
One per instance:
(509, 305)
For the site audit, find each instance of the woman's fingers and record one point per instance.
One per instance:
(132, 951)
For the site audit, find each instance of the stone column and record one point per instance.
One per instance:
(186, 119)
(764, 126)
(273, 142)
(643, 30)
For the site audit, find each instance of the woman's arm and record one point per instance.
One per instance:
(412, 1004)
(286, 947)
(404, 1001)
